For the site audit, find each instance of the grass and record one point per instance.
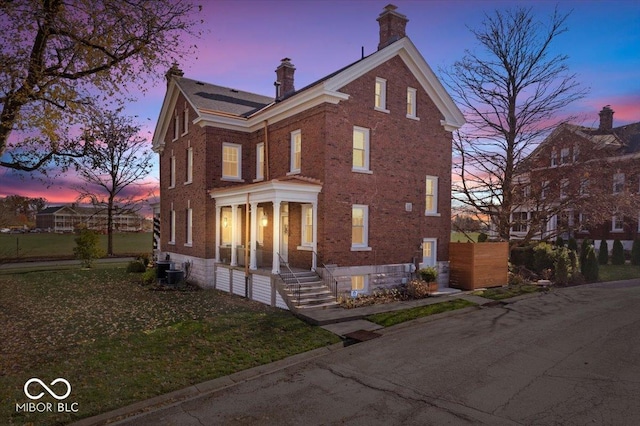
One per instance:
(499, 293)
(387, 319)
(50, 245)
(117, 342)
(618, 272)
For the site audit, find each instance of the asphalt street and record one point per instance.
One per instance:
(569, 357)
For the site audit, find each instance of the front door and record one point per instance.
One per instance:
(284, 232)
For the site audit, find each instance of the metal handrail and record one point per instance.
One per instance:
(298, 284)
(327, 277)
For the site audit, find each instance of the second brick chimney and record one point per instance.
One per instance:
(606, 119)
(392, 26)
(174, 70)
(284, 78)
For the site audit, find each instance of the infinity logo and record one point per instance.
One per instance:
(52, 393)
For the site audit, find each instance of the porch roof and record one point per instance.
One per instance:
(297, 189)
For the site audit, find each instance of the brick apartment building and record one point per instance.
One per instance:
(352, 171)
(582, 182)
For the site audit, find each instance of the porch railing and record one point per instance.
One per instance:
(327, 277)
(290, 279)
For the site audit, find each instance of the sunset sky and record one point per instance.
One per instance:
(243, 43)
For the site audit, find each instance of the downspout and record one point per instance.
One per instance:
(246, 248)
(267, 175)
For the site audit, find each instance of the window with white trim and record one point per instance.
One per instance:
(172, 225)
(231, 161)
(544, 190)
(411, 103)
(584, 186)
(176, 127)
(576, 153)
(359, 227)
(564, 188)
(618, 183)
(260, 161)
(360, 161)
(185, 117)
(564, 156)
(296, 151)
(380, 103)
(617, 224)
(172, 171)
(554, 158)
(307, 226)
(189, 166)
(225, 217)
(359, 283)
(429, 251)
(520, 222)
(189, 224)
(261, 226)
(431, 195)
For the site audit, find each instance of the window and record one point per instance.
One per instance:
(189, 225)
(618, 183)
(576, 153)
(381, 95)
(520, 222)
(358, 283)
(189, 166)
(584, 186)
(176, 127)
(172, 225)
(526, 191)
(564, 156)
(429, 251)
(554, 158)
(564, 188)
(296, 151)
(307, 225)
(225, 235)
(172, 171)
(617, 224)
(411, 103)
(260, 161)
(231, 161)
(431, 195)
(544, 190)
(261, 227)
(360, 149)
(359, 227)
(185, 123)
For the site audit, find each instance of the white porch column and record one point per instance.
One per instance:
(218, 232)
(254, 236)
(314, 255)
(276, 237)
(234, 236)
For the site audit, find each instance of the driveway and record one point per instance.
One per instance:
(570, 357)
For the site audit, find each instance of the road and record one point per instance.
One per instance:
(569, 357)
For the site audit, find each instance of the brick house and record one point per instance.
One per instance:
(582, 182)
(351, 173)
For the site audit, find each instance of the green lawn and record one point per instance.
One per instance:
(50, 245)
(387, 319)
(618, 272)
(117, 342)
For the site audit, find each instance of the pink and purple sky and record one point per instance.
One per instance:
(243, 43)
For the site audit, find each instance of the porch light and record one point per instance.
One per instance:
(264, 221)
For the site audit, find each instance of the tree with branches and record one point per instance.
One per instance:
(61, 56)
(511, 92)
(117, 158)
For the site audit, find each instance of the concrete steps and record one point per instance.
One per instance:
(312, 294)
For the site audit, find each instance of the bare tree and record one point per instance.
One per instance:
(60, 56)
(511, 92)
(117, 159)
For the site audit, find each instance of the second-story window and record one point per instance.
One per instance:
(380, 102)
(172, 171)
(176, 127)
(554, 158)
(618, 183)
(296, 151)
(431, 195)
(411, 103)
(231, 161)
(260, 161)
(564, 156)
(185, 116)
(189, 166)
(360, 161)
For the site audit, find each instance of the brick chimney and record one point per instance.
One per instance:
(284, 78)
(174, 70)
(606, 119)
(392, 26)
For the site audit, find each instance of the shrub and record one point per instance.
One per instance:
(417, 289)
(617, 253)
(149, 276)
(635, 252)
(583, 250)
(559, 241)
(86, 248)
(543, 257)
(562, 266)
(144, 258)
(590, 266)
(603, 253)
(573, 259)
(136, 266)
(572, 244)
(482, 237)
(428, 274)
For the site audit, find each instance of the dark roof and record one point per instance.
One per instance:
(630, 135)
(223, 99)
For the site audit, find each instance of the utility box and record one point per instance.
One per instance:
(478, 265)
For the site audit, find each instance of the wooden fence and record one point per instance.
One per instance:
(478, 265)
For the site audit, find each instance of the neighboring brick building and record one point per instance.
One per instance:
(355, 168)
(582, 182)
